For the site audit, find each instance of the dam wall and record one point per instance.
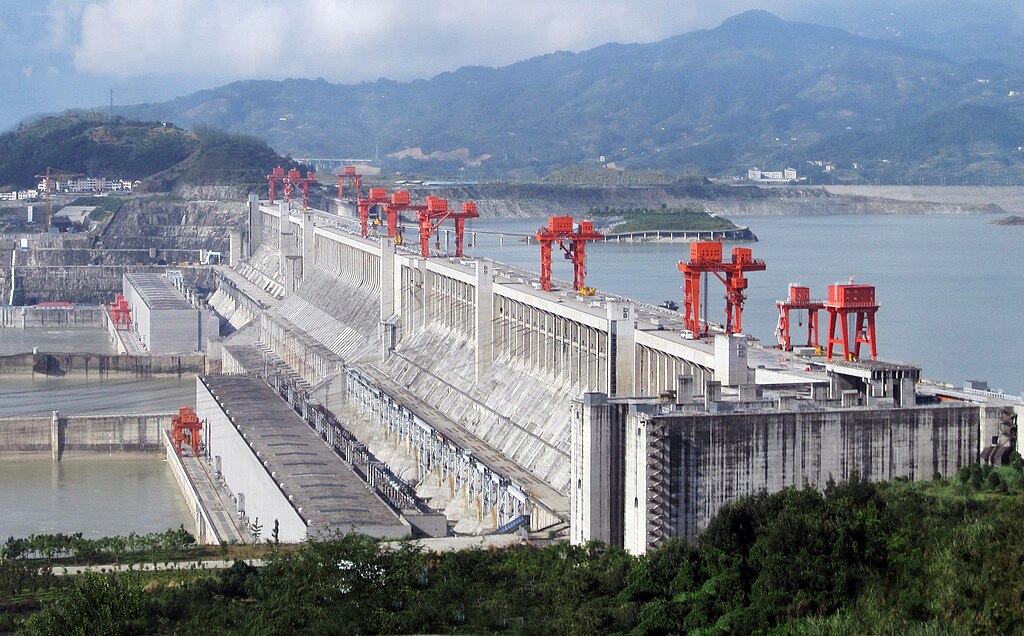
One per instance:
(707, 460)
(66, 436)
(450, 361)
(91, 365)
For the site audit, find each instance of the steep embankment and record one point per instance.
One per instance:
(143, 235)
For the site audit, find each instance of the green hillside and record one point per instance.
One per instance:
(161, 155)
(93, 145)
(755, 91)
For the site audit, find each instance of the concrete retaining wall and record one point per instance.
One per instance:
(81, 435)
(28, 317)
(91, 365)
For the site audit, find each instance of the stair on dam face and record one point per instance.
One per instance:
(512, 411)
(493, 458)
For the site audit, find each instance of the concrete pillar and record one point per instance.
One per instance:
(292, 274)
(285, 242)
(748, 393)
(484, 327)
(731, 359)
(819, 392)
(255, 223)
(308, 244)
(908, 392)
(387, 277)
(712, 393)
(234, 247)
(622, 328)
(684, 390)
(56, 440)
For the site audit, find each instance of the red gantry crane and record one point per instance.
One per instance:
(275, 177)
(799, 299)
(706, 257)
(290, 180)
(121, 313)
(437, 212)
(573, 242)
(185, 428)
(377, 196)
(350, 174)
(400, 202)
(844, 300)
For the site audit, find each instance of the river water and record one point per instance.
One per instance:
(97, 497)
(951, 288)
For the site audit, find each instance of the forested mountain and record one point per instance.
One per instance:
(161, 154)
(755, 91)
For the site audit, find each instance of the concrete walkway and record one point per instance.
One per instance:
(213, 500)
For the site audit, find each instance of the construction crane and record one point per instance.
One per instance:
(573, 242)
(436, 213)
(52, 175)
(705, 258)
(845, 300)
(349, 174)
(799, 299)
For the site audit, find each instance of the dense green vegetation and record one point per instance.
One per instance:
(242, 161)
(663, 218)
(75, 548)
(161, 155)
(940, 557)
(91, 144)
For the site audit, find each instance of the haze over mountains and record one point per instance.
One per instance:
(755, 91)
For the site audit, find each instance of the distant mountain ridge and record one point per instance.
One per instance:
(755, 91)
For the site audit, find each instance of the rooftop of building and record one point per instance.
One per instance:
(156, 291)
(319, 485)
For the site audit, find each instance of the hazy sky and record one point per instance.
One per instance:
(59, 54)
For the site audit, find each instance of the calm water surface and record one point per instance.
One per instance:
(97, 497)
(951, 287)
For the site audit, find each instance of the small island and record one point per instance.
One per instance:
(667, 224)
(1009, 220)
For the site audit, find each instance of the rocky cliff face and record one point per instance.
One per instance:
(144, 235)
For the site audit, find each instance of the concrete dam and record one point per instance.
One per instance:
(495, 403)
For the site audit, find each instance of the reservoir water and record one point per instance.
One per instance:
(951, 288)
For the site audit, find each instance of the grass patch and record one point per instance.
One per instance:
(663, 218)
